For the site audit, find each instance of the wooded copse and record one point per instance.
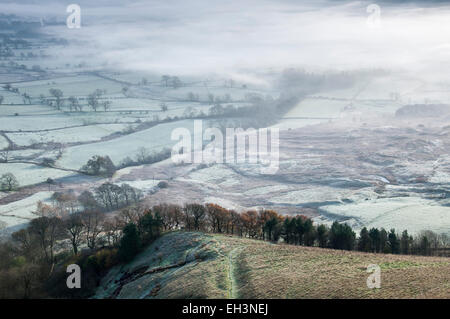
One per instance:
(298, 230)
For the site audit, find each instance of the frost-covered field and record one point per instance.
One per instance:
(146, 186)
(89, 133)
(317, 108)
(79, 85)
(375, 176)
(216, 175)
(317, 194)
(28, 110)
(22, 211)
(203, 90)
(266, 190)
(153, 139)
(294, 123)
(29, 174)
(35, 130)
(412, 213)
(37, 122)
(3, 142)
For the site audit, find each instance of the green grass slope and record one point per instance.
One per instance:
(196, 265)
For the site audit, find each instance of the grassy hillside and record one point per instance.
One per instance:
(195, 265)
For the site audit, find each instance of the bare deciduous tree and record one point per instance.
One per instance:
(74, 227)
(112, 228)
(57, 94)
(93, 223)
(47, 230)
(93, 99)
(74, 105)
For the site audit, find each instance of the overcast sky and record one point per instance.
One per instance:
(205, 35)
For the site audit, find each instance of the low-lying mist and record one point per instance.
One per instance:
(227, 37)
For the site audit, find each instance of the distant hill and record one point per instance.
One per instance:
(424, 110)
(196, 265)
